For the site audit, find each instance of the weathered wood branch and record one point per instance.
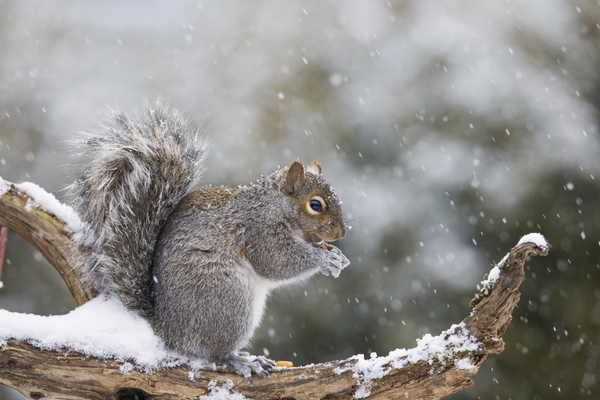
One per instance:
(44, 231)
(67, 374)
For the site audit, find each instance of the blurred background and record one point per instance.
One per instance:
(449, 129)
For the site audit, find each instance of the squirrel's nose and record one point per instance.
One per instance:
(341, 233)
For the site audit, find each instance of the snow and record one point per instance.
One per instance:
(536, 238)
(102, 328)
(465, 363)
(4, 186)
(494, 274)
(47, 202)
(449, 345)
(224, 392)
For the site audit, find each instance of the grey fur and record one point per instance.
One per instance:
(198, 266)
(137, 170)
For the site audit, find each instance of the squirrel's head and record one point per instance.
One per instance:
(317, 208)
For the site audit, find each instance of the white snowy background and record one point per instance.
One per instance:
(450, 129)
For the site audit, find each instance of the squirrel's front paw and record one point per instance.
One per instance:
(334, 261)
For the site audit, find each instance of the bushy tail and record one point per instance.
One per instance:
(137, 171)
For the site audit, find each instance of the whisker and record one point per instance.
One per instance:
(362, 218)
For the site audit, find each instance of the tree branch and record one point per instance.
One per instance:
(68, 374)
(20, 213)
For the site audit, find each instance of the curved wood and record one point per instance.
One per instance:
(44, 231)
(70, 375)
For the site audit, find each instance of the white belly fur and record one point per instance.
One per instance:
(261, 292)
(262, 288)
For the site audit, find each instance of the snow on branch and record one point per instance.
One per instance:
(82, 355)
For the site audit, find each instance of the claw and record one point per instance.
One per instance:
(246, 365)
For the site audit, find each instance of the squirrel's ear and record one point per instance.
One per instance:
(294, 178)
(315, 167)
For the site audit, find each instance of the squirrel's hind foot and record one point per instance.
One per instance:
(245, 364)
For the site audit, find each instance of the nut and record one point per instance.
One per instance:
(285, 364)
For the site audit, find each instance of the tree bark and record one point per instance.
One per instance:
(44, 231)
(68, 374)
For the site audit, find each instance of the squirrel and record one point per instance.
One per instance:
(197, 265)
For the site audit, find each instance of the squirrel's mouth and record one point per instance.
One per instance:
(314, 238)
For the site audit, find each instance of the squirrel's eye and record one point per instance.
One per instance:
(316, 205)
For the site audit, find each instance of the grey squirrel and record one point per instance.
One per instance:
(197, 265)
